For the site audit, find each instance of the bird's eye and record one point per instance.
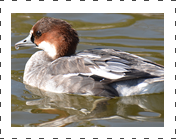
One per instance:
(38, 33)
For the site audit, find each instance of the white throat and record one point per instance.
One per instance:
(48, 48)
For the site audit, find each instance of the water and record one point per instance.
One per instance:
(140, 34)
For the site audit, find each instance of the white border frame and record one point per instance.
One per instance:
(167, 7)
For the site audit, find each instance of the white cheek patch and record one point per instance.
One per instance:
(48, 48)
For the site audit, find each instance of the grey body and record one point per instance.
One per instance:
(101, 72)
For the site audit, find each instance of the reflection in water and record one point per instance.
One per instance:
(75, 108)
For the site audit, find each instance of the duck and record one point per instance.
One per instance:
(97, 72)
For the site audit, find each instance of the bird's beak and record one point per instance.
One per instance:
(25, 42)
